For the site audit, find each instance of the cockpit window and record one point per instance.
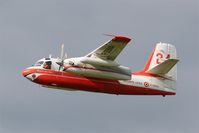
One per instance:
(47, 65)
(39, 63)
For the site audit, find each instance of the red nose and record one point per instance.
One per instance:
(25, 72)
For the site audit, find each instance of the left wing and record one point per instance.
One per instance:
(111, 49)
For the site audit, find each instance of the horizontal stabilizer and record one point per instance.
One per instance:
(164, 67)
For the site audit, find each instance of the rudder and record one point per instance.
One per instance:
(163, 52)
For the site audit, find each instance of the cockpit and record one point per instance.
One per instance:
(39, 63)
(45, 63)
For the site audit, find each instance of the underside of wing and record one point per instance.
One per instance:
(111, 49)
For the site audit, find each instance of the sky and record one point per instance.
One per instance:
(30, 30)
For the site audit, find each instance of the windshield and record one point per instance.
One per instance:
(39, 63)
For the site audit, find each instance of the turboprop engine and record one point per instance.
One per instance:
(97, 68)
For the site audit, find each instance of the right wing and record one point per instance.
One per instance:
(111, 49)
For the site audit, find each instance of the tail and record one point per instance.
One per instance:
(163, 61)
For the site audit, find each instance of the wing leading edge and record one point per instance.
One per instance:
(111, 49)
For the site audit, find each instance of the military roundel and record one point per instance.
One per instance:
(146, 84)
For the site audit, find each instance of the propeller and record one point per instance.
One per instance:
(109, 35)
(62, 57)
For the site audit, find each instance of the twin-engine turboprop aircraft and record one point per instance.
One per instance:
(99, 72)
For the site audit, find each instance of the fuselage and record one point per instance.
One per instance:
(99, 72)
(139, 84)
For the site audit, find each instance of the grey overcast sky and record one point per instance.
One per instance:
(32, 29)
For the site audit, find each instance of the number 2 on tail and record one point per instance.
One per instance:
(160, 56)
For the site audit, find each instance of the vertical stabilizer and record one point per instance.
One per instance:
(162, 61)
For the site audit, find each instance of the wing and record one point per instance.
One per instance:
(111, 49)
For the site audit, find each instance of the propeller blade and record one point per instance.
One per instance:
(65, 56)
(59, 63)
(62, 57)
(109, 35)
(62, 51)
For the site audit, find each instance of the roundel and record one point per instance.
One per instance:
(146, 84)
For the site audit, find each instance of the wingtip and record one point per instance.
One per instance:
(121, 39)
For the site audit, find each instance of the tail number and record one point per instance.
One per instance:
(160, 57)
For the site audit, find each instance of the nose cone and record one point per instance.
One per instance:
(29, 74)
(25, 72)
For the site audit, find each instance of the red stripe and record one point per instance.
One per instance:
(121, 39)
(86, 84)
(148, 62)
(51, 72)
(67, 80)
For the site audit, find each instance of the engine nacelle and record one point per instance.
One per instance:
(119, 73)
(99, 62)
